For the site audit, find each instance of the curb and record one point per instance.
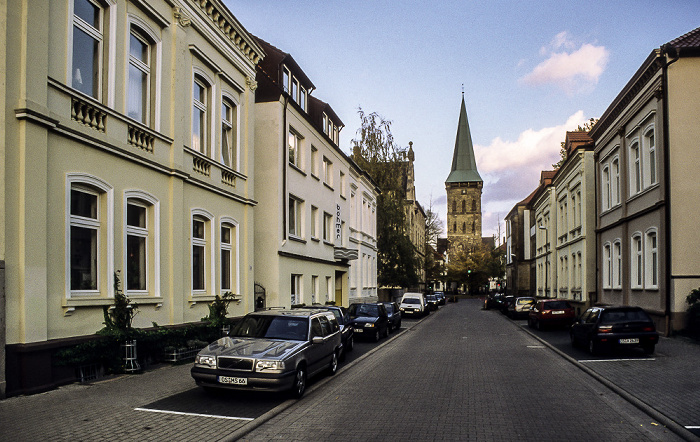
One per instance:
(669, 423)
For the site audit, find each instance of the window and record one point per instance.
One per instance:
(139, 90)
(84, 233)
(473, 205)
(606, 187)
(454, 207)
(327, 171)
(342, 184)
(314, 161)
(329, 289)
(650, 158)
(637, 262)
(327, 227)
(615, 181)
(464, 206)
(635, 169)
(295, 210)
(295, 289)
(607, 266)
(200, 99)
(314, 222)
(228, 133)
(295, 90)
(651, 260)
(617, 264)
(464, 227)
(199, 247)
(285, 79)
(314, 289)
(294, 141)
(225, 254)
(136, 246)
(302, 98)
(88, 47)
(89, 236)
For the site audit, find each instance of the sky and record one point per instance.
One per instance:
(530, 71)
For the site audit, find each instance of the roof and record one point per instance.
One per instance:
(463, 160)
(691, 40)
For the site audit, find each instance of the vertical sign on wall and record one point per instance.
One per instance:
(338, 224)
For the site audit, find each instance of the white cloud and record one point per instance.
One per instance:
(572, 70)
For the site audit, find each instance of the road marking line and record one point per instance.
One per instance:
(195, 414)
(693, 427)
(616, 360)
(535, 346)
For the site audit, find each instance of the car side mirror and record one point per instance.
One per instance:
(317, 340)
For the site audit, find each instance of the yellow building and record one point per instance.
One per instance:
(128, 150)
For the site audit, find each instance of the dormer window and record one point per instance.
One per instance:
(285, 79)
(302, 98)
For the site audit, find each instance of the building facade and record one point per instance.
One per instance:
(544, 229)
(518, 252)
(107, 173)
(575, 264)
(646, 152)
(315, 233)
(463, 186)
(415, 215)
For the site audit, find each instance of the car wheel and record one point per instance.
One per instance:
(386, 332)
(649, 348)
(530, 323)
(389, 328)
(538, 325)
(376, 336)
(299, 386)
(398, 326)
(333, 368)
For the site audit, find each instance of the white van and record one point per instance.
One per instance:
(413, 304)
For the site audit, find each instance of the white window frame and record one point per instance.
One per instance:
(152, 235)
(104, 223)
(204, 108)
(294, 141)
(295, 213)
(651, 259)
(328, 231)
(229, 132)
(327, 171)
(97, 34)
(296, 289)
(607, 265)
(605, 187)
(209, 271)
(636, 177)
(314, 289)
(650, 160)
(233, 249)
(615, 180)
(617, 264)
(314, 222)
(636, 261)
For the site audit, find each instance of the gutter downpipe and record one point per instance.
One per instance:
(667, 179)
(285, 161)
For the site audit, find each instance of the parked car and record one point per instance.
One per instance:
(432, 302)
(275, 350)
(413, 304)
(369, 320)
(606, 327)
(520, 307)
(441, 298)
(493, 301)
(394, 313)
(550, 313)
(505, 302)
(347, 333)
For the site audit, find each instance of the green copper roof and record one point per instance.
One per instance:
(463, 161)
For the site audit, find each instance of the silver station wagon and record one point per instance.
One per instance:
(275, 350)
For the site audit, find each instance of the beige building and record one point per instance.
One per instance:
(544, 229)
(574, 265)
(127, 149)
(315, 231)
(518, 248)
(415, 215)
(646, 158)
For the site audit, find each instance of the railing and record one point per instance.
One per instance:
(140, 138)
(200, 165)
(228, 178)
(87, 114)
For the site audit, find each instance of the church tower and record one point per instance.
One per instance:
(463, 187)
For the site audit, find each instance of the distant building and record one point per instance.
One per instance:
(646, 150)
(463, 187)
(544, 208)
(415, 215)
(315, 233)
(518, 253)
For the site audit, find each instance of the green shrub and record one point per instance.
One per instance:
(693, 316)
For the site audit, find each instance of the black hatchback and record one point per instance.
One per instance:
(369, 320)
(600, 328)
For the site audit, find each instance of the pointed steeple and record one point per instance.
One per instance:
(463, 161)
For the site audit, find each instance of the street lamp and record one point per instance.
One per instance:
(546, 259)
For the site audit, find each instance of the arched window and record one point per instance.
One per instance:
(454, 207)
(464, 227)
(464, 206)
(473, 205)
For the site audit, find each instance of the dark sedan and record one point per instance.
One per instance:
(347, 333)
(369, 320)
(394, 313)
(601, 328)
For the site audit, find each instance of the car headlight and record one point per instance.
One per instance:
(263, 365)
(206, 360)
(369, 324)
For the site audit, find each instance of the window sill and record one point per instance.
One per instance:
(329, 186)
(313, 238)
(297, 239)
(78, 301)
(295, 167)
(314, 176)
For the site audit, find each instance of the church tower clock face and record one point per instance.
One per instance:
(463, 186)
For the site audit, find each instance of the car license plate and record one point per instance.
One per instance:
(231, 380)
(558, 312)
(358, 330)
(629, 341)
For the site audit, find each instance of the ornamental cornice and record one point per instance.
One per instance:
(228, 25)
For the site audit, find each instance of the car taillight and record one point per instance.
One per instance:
(648, 329)
(605, 329)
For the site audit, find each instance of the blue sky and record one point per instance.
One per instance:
(531, 71)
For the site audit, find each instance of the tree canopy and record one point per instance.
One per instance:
(474, 267)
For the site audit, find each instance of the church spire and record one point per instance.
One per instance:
(463, 160)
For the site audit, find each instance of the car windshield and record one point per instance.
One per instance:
(525, 301)
(410, 301)
(364, 310)
(613, 316)
(555, 305)
(389, 308)
(272, 327)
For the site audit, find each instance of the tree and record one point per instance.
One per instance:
(376, 152)
(433, 226)
(587, 126)
(475, 266)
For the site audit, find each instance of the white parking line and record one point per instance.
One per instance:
(615, 360)
(195, 414)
